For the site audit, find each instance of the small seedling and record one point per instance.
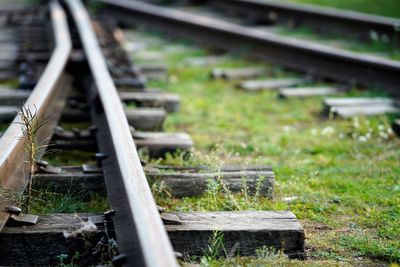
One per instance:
(31, 124)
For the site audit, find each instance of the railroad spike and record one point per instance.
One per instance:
(13, 210)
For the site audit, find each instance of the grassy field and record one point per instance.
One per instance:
(390, 8)
(340, 177)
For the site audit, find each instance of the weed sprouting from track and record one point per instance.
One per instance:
(31, 125)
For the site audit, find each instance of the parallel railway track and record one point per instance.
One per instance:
(314, 59)
(324, 20)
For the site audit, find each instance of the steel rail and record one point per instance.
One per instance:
(147, 242)
(350, 23)
(319, 60)
(47, 100)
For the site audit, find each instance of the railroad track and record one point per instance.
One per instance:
(83, 76)
(317, 63)
(314, 59)
(323, 20)
(77, 72)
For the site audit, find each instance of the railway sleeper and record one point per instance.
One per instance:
(244, 233)
(153, 71)
(360, 106)
(13, 96)
(55, 236)
(149, 98)
(237, 73)
(170, 102)
(175, 182)
(157, 144)
(271, 84)
(304, 92)
(130, 83)
(146, 119)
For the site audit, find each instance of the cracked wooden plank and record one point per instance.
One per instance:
(243, 233)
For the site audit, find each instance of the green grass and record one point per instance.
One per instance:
(342, 175)
(69, 157)
(390, 8)
(73, 202)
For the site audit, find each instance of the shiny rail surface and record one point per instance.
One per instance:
(47, 99)
(318, 60)
(147, 243)
(350, 23)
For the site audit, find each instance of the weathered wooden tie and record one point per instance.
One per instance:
(258, 85)
(184, 184)
(303, 92)
(172, 180)
(362, 106)
(130, 83)
(154, 71)
(170, 102)
(243, 234)
(52, 236)
(146, 119)
(157, 144)
(7, 113)
(236, 73)
(357, 101)
(349, 112)
(13, 97)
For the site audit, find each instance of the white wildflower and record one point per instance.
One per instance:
(373, 35)
(290, 199)
(327, 131)
(173, 79)
(362, 139)
(287, 128)
(314, 131)
(383, 135)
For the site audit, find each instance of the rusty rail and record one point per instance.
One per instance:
(47, 99)
(140, 233)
